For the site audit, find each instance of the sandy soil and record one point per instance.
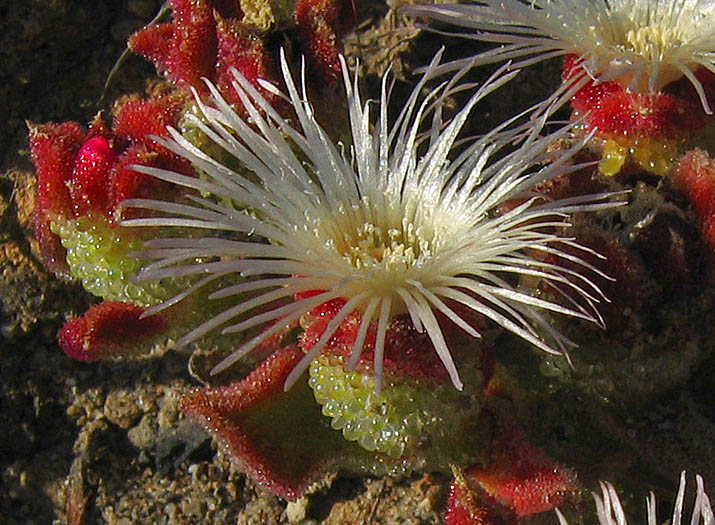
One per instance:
(106, 443)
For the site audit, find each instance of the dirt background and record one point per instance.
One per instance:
(108, 439)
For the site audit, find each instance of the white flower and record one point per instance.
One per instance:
(401, 224)
(642, 44)
(610, 512)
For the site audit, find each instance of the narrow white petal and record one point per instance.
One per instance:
(645, 44)
(404, 224)
(347, 309)
(382, 320)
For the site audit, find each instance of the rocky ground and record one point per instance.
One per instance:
(106, 443)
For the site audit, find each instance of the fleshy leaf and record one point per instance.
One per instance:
(280, 439)
(153, 42)
(193, 46)
(244, 49)
(90, 176)
(695, 174)
(54, 148)
(137, 119)
(109, 329)
(521, 477)
(321, 25)
(408, 352)
(619, 113)
(463, 508)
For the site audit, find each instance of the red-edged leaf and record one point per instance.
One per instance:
(280, 439)
(321, 25)
(109, 329)
(90, 177)
(695, 174)
(463, 507)
(127, 183)
(618, 112)
(137, 119)
(54, 148)
(193, 45)
(407, 351)
(521, 477)
(241, 48)
(153, 42)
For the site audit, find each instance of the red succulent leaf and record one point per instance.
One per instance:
(272, 343)
(154, 42)
(646, 115)
(695, 175)
(90, 176)
(617, 112)
(127, 183)
(206, 38)
(518, 481)
(241, 48)
(407, 351)
(135, 123)
(463, 507)
(521, 477)
(186, 47)
(109, 329)
(321, 26)
(98, 128)
(279, 439)
(316, 321)
(54, 148)
(193, 53)
(138, 119)
(593, 92)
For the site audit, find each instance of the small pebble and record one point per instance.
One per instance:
(296, 510)
(121, 408)
(143, 436)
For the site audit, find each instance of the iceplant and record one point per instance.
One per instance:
(641, 44)
(398, 222)
(610, 511)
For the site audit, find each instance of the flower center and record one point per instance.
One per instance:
(378, 236)
(652, 40)
(369, 245)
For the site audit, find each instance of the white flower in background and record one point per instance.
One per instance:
(642, 44)
(610, 511)
(400, 221)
